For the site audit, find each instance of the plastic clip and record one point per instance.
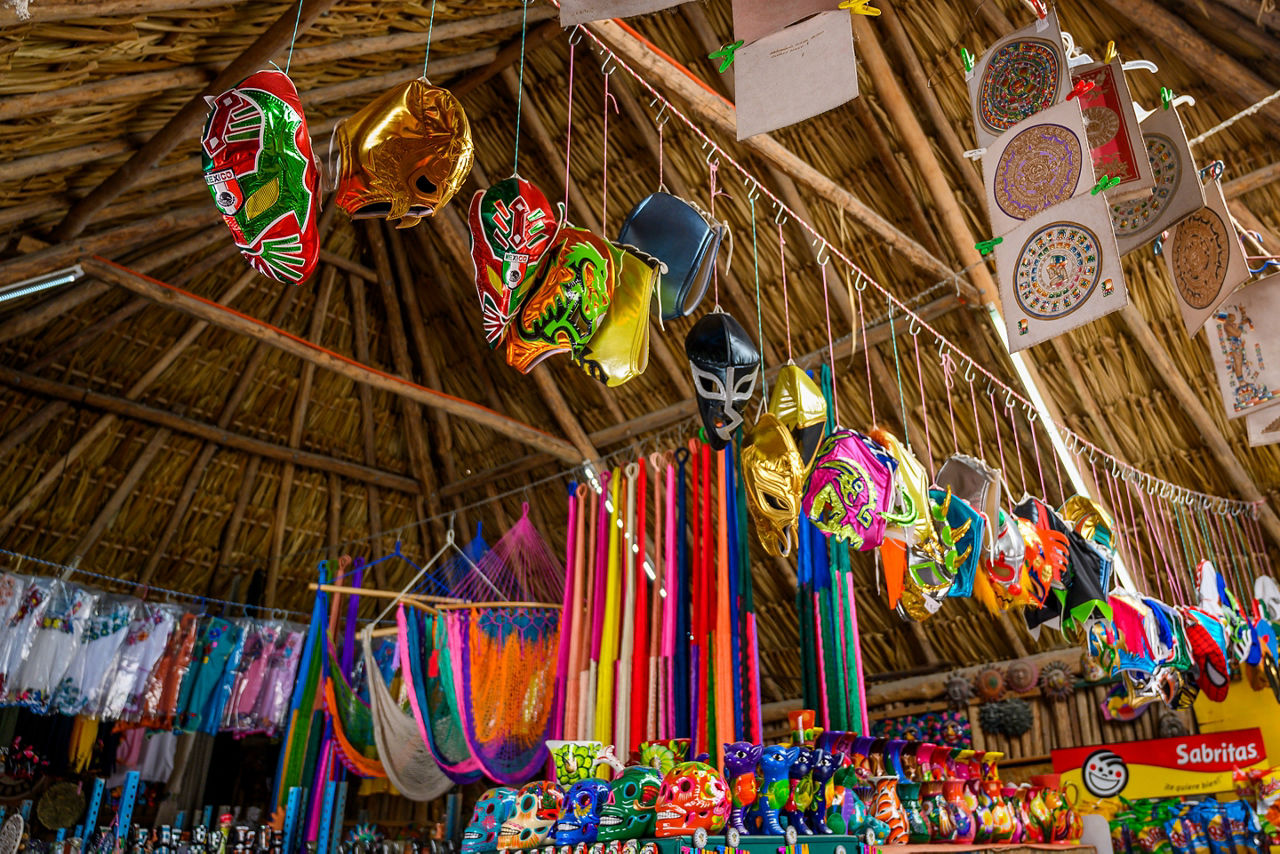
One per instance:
(986, 247)
(1082, 88)
(860, 7)
(1109, 55)
(967, 59)
(725, 54)
(1105, 183)
(1166, 97)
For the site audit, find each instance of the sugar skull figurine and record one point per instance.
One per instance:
(775, 761)
(725, 363)
(492, 810)
(512, 226)
(694, 801)
(580, 818)
(740, 761)
(537, 807)
(773, 474)
(404, 155)
(629, 811)
(263, 176)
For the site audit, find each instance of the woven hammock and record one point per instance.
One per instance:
(504, 662)
(404, 753)
(424, 657)
(352, 722)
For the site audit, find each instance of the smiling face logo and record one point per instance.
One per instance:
(1105, 774)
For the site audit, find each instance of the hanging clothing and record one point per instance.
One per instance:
(82, 686)
(54, 644)
(144, 643)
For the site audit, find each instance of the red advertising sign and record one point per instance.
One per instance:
(1161, 767)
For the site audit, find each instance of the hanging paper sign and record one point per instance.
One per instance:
(1059, 270)
(795, 74)
(1205, 259)
(1038, 163)
(1115, 139)
(1161, 767)
(1177, 192)
(1020, 75)
(584, 11)
(1244, 338)
(755, 19)
(1264, 428)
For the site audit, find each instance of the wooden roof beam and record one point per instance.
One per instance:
(359, 372)
(1261, 177)
(187, 120)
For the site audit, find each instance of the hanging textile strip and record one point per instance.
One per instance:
(804, 622)
(606, 672)
(428, 671)
(627, 608)
(595, 593)
(697, 699)
(750, 646)
(724, 636)
(568, 615)
(706, 606)
(674, 542)
(604, 524)
(682, 664)
(577, 559)
(289, 768)
(639, 697)
(729, 508)
(656, 601)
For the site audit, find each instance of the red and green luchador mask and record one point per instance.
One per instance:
(512, 226)
(262, 173)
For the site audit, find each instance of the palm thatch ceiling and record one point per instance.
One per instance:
(148, 445)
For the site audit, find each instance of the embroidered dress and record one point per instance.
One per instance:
(144, 642)
(273, 702)
(84, 682)
(15, 639)
(54, 644)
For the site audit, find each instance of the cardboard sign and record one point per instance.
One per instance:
(1036, 164)
(1244, 340)
(795, 74)
(584, 11)
(1059, 270)
(1020, 75)
(1205, 259)
(1160, 767)
(755, 19)
(1177, 192)
(1115, 139)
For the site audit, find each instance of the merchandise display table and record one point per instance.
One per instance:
(840, 844)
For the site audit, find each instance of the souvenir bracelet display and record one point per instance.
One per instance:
(821, 784)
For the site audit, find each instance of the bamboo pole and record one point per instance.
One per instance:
(1260, 177)
(230, 533)
(353, 370)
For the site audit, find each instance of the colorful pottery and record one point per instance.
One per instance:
(825, 765)
(694, 798)
(800, 791)
(629, 811)
(491, 811)
(775, 761)
(953, 794)
(573, 760)
(888, 809)
(580, 819)
(917, 825)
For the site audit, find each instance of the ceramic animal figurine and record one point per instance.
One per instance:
(800, 791)
(740, 761)
(825, 765)
(775, 761)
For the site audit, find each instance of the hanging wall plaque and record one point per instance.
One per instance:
(1059, 270)
(1020, 75)
(584, 11)
(1264, 428)
(1244, 339)
(1038, 163)
(1177, 192)
(1115, 139)
(755, 19)
(1205, 259)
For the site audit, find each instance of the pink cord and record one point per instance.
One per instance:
(715, 272)
(1035, 444)
(568, 130)
(661, 149)
(1017, 444)
(949, 368)
(1133, 520)
(924, 402)
(831, 348)
(786, 303)
(977, 425)
(604, 189)
(1004, 469)
(866, 352)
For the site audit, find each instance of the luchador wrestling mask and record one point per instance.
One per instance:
(537, 808)
(404, 155)
(1208, 641)
(773, 474)
(978, 484)
(512, 225)
(263, 176)
(567, 301)
(848, 491)
(725, 362)
(962, 530)
(494, 807)
(685, 239)
(1089, 520)
(797, 402)
(629, 811)
(1005, 569)
(619, 351)
(913, 486)
(694, 797)
(580, 820)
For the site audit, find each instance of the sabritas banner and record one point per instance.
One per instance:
(1161, 767)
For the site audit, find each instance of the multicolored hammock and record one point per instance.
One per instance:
(424, 655)
(352, 721)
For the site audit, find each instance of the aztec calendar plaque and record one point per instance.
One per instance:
(1176, 192)
(1115, 135)
(1059, 270)
(1038, 163)
(1205, 260)
(1020, 75)
(1101, 124)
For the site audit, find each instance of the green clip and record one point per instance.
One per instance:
(725, 55)
(986, 247)
(967, 59)
(1106, 182)
(1166, 96)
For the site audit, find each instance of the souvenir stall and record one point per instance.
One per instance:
(603, 426)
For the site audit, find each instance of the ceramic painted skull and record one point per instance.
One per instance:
(694, 797)
(494, 807)
(537, 808)
(629, 811)
(580, 818)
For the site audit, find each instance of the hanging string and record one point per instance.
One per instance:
(1057, 464)
(431, 24)
(1120, 539)
(831, 347)
(604, 189)
(661, 152)
(786, 301)
(924, 402)
(524, 30)
(866, 349)
(977, 425)
(755, 263)
(568, 129)
(995, 422)
(1154, 528)
(897, 369)
(1017, 444)
(949, 368)
(1035, 446)
(297, 18)
(713, 166)
(1133, 520)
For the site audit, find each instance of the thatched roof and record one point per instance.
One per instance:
(203, 501)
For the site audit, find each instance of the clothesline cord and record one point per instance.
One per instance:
(1157, 486)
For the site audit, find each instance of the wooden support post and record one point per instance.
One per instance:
(354, 370)
(1254, 180)
(333, 530)
(188, 119)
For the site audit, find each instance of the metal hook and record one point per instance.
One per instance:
(823, 254)
(714, 150)
(969, 375)
(576, 35)
(1032, 414)
(1008, 399)
(778, 217)
(914, 329)
(858, 284)
(606, 67)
